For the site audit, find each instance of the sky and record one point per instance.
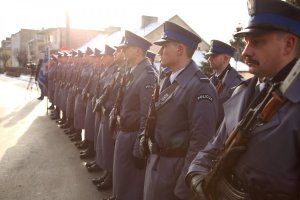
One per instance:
(211, 19)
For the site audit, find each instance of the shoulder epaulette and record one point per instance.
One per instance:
(202, 77)
(150, 69)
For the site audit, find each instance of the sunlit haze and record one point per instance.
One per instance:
(211, 19)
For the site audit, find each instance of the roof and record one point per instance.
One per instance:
(115, 38)
(148, 29)
(102, 39)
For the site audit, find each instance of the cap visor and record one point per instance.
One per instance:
(209, 53)
(160, 42)
(248, 31)
(121, 46)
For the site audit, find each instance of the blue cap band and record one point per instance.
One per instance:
(136, 43)
(277, 21)
(181, 38)
(223, 50)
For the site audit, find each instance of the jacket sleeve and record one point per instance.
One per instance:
(146, 91)
(203, 161)
(202, 110)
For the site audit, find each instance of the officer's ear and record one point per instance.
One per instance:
(290, 44)
(180, 49)
(226, 58)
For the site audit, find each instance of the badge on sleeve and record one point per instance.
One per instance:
(203, 97)
(149, 86)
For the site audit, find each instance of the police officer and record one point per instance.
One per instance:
(51, 75)
(39, 66)
(128, 174)
(268, 164)
(225, 77)
(90, 92)
(186, 116)
(151, 55)
(68, 80)
(105, 143)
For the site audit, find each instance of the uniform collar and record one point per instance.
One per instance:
(292, 93)
(174, 75)
(221, 76)
(139, 68)
(282, 74)
(185, 76)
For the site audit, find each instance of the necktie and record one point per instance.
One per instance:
(167, 83)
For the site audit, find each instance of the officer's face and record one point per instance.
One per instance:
(216, 61)
(265, 53)
(119, 55)
(107, 60)
(169, 54)
(130, 53)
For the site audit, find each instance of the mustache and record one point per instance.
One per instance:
(249, 60)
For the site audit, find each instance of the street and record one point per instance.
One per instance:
(37, 160)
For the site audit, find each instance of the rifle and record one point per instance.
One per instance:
(240, 136)
(97, 90)
(151, 121)
(115, 112)
(99, 102)
(98, 99)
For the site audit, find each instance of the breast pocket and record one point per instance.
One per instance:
(264, 126)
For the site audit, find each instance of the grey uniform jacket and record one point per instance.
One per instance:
(269, 169)
(137, 96)
(231, 80)
(185, 119)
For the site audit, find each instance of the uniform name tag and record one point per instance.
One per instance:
(204, 97)
(149, 86)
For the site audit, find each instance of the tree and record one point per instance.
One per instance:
(205, 67)
(4, 57)
(238, 44)
(21, 56)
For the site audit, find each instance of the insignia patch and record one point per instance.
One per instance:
(251, 4)
(204, 97)
(149, 86)
(163, 98)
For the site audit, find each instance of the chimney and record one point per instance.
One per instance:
(146, 20)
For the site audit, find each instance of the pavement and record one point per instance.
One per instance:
(37, 160)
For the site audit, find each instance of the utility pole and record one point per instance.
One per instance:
(68, 39)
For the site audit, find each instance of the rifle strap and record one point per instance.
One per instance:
(166, 94)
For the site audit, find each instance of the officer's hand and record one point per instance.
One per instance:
(83, 96)
(138, 158)
(195, 181)
(93, 101)
(142, 145)
(97, 105)
(83, 93)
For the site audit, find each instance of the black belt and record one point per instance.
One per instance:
(129, 129)
(124, 128)
(167, 152)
